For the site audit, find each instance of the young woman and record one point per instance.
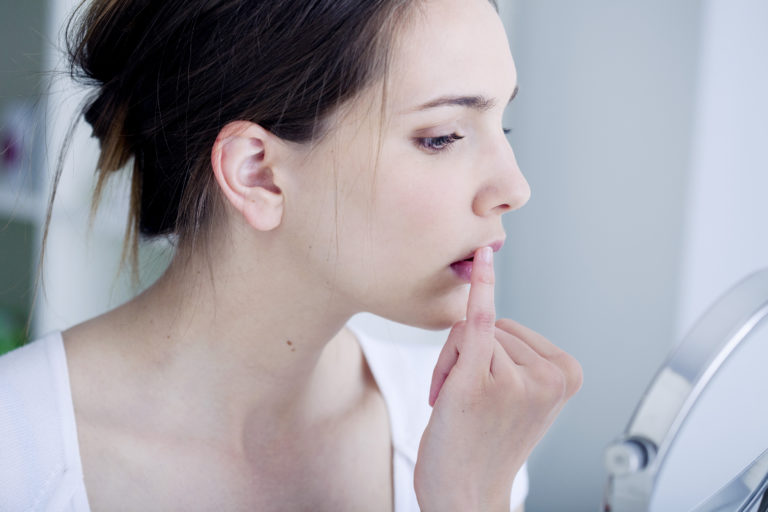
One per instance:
(311, 160)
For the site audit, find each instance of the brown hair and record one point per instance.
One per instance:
(168, 75)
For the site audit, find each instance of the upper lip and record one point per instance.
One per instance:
(496, 246)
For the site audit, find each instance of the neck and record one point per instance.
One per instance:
(259, 351)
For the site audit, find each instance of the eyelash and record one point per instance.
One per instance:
(443, 142)
(436, 144)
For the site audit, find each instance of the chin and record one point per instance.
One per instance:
(438, 315)
(440, 325)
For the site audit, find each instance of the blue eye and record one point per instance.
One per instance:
(435, 144)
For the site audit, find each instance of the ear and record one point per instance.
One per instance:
(243, 159)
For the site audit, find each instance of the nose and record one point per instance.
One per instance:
(505, 188)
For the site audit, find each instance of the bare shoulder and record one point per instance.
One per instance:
(93, 365)
(98, 374)
(82, 347)
(103, 396)
(94, 333)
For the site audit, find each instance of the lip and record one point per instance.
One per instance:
(495, 246)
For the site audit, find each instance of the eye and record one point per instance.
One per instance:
(435, 144)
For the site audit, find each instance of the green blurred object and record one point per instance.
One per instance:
(17, 263)
(11, 331)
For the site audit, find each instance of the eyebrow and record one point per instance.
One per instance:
(480, 103)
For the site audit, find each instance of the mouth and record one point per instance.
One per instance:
(496, 246)
(463, 267)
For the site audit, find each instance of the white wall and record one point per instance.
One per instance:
(602, 130)
(727, 222)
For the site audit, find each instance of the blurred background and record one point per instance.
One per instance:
(640, 126)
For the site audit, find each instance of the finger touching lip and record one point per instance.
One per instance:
(495, 246)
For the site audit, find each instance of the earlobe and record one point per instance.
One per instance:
(244, 168)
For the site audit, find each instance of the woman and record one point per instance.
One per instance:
(311, 160)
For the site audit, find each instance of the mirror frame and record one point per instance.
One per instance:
(635, 459)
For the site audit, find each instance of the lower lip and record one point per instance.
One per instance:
(463, 269)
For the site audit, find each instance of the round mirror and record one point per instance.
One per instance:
(704, 417)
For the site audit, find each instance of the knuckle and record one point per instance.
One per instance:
(574, 375)
(483, 319)
(551, 382)
(476, 397)
(571, 370)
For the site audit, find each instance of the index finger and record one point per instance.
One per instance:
(481, 311)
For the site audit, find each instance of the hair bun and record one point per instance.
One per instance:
(101, 41)
(104, 36)
(107, 114)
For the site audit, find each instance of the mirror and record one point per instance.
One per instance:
(748, 492)
(703, 418)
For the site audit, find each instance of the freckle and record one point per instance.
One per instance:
(289, 342)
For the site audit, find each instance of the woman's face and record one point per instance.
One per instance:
(400, 190)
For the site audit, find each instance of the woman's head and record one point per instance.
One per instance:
(244, 104)
(403, 184)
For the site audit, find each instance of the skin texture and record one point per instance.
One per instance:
(244, 367)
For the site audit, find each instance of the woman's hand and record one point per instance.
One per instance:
(496, 389)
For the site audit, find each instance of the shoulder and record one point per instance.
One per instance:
(34, 398)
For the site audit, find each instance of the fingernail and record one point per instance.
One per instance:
(486, 254)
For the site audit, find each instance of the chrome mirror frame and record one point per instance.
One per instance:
(635, 459)
(748, 492)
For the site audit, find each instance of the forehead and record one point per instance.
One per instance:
(450, 47)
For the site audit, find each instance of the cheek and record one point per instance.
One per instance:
(413, 231)
(426, 210)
